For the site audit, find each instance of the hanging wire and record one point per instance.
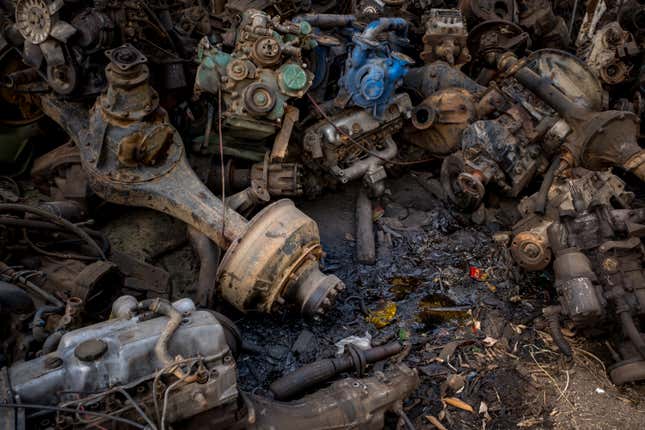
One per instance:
(221, 157)
(72, 411)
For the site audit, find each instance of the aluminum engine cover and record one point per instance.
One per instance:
(129, 357)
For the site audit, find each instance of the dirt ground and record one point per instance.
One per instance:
(488, 349)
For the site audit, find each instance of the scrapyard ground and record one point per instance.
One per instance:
(498, 359)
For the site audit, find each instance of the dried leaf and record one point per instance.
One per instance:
(530, 422)
(489, 341)
(483, 409)
(435, 422)
(457, 403)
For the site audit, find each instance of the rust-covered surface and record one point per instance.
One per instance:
(322, 214)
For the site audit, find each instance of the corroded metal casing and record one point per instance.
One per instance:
(129, 96)
(348, 403)
(576, 285)
(530, 250)
(439, 121)
(277, 258)
(445, 38)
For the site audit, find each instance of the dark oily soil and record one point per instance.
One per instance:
(471, 337)
(426, 266)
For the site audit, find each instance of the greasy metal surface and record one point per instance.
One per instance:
(161, 179)
(452, 110)
(445, 38)
(347, 403)
(570, 75)
(512, 125)
(128, 361)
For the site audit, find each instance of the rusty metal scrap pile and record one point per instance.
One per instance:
(217, 113)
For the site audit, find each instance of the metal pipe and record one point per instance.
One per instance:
(320, 371)
(541, 199)
(174, 320)
(326, 20)
(365, 244)
(382, 25)
(573, 18)
(359, 168)
(632, 331)
(348, 403)
(542, 87)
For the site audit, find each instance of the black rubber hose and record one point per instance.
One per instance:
(46, 225)
(56, 220)
(540, 200)
(26, 283)
(558, 337)
(315, 373)
(208, 254)
(15, 299)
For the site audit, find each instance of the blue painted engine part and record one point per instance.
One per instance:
(373, 71)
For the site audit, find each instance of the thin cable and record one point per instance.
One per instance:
(56, 220)
(72, 411)
(165, 401)
(156, 380)
(573, 18)
(63, 256)
(209, 126)
(406, 419)
(364, 148)
(138, 408)
(221, 157)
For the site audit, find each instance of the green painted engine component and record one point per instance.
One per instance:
(260, 76)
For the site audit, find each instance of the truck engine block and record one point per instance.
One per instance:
(259, 77)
